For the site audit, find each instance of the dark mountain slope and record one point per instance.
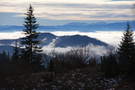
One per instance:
(77, 40)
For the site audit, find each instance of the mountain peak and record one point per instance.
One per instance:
(76, 24)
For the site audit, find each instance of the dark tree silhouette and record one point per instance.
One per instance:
(31, 51)
(51, 66)
(4, 59)
(109, 64)
(15, 55)
(126, 48)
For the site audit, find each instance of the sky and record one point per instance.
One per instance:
(59, 12)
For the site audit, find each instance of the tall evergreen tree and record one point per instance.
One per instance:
(109, 64)
(15, 55)
(51, 66)
(4, 59)
(31, 51)
(126, 48)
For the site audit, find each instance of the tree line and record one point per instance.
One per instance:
(123, 59)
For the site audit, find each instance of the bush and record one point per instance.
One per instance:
(62, 62)
(93, 61)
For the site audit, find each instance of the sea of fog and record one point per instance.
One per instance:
(110, 37)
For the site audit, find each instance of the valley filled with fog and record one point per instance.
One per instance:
(112, 38)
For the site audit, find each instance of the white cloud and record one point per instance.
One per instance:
(53, 1)
(72, 9)
(48, 49)
(92, 49)
(14, 35)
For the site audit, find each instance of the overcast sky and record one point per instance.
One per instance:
(57, 12)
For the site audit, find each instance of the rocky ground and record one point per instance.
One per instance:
(87, 79)
(90, 78)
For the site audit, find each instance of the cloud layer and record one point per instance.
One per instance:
(72, 9)
(110, 37)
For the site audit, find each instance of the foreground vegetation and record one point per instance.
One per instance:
(88, 78)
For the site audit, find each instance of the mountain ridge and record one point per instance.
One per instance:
(59, 41)
(74, 26)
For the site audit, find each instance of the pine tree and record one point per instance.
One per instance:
(31, 52)
(126, 48)
(4, 59)
(109, 64)
(15, 55)
(51, 66)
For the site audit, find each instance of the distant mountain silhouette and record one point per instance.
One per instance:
(46, 38)
(56, 41)
(77, 40)
(82, 27)
(7, 42)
